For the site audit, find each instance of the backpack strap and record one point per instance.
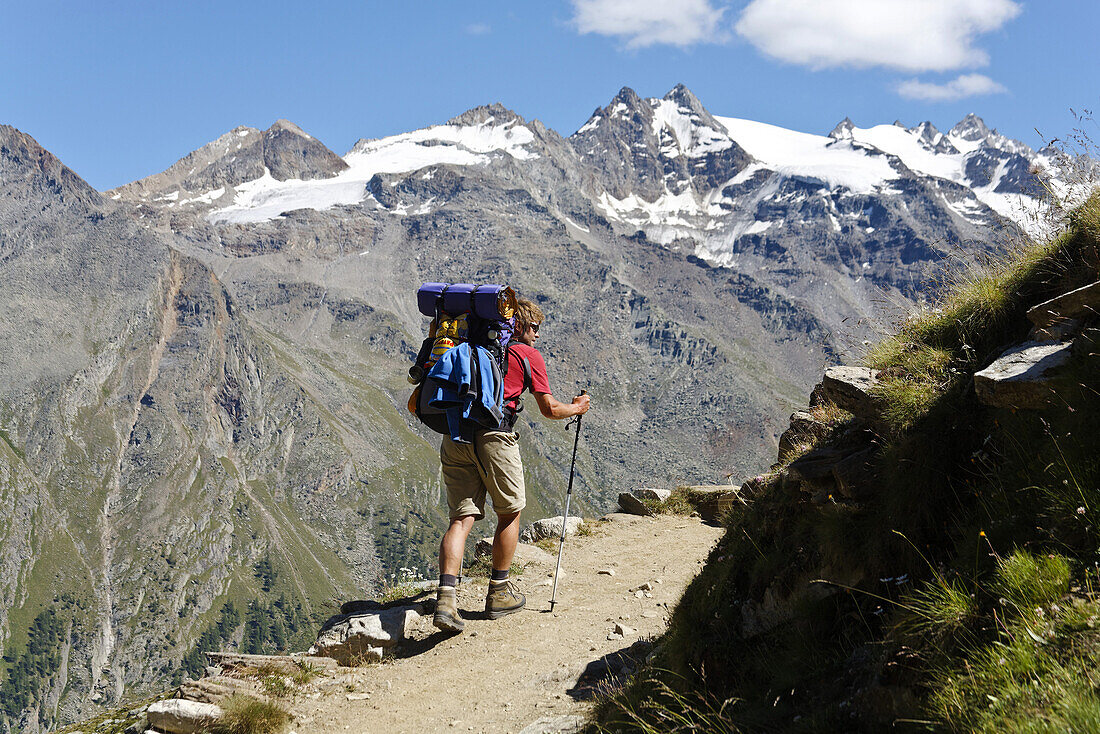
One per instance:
(510, 413)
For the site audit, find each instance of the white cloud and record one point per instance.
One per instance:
(967, 85)
(478, 29)
(648, 22)
(913, 35)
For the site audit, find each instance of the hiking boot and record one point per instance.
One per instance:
(447, 617)
(503, 599)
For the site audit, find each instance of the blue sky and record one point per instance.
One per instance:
(121, 90)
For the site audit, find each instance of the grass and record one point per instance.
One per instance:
(305, 673)
(671, 711)
(247, 715)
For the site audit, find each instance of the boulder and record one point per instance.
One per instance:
(815, 464)
(650, 493)
(1021, 377)
(1075, 305)
(525, 552)
(849, 388)
(804, 429)
(632, 505)
(363, 637)
(177, 716)
(855, 474)
(712, 500)
(549, 527)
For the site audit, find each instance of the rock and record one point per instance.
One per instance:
(848, 388)
(854, 474)
(357, 638)
(816, 464)
(1075, 305)
(614, 636)
(288, 664)
(606, 572)
(632, 505)
(622, 629)
(549, 527)
(525, 552)
(713, 500)
(1021, 377)
(649, 493)
(644, 587)
(570, 724)
(177, 716)
(804, 430)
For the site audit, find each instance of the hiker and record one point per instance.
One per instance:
(491, 465)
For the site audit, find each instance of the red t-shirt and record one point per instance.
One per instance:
(513, 381)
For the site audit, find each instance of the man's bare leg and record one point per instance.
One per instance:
(453, 546)
(505, 540)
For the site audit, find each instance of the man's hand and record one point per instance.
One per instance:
(551, 408)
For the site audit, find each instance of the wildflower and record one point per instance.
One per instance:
(981, 533)
(1080, 510)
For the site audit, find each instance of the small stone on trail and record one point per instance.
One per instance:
(623, 631)
(606, 572)
(648, 614)
(613, 636)
(357, 696)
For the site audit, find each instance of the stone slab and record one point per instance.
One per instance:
(550, 527)
(179, 716)
(849, 388)
(1020, 378)
(1076, 304)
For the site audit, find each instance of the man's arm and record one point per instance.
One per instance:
(551, 408)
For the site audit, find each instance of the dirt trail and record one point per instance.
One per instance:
(501, 676)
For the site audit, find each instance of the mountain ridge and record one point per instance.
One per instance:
(231, 367)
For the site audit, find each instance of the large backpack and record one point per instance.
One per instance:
(475, 318)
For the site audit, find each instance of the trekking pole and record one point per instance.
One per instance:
(565, 517)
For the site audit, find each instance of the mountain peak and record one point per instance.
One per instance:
(628, 97)
(23, 159)
(288, 126)
(843, 130)
(484, 113)
(971, 128)
(684, 97)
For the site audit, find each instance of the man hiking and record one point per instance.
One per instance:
(492, 466)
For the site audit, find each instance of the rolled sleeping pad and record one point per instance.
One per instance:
(427, 296)
(458, 298)
(492, 302)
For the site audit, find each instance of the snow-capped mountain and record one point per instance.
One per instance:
(234, 333)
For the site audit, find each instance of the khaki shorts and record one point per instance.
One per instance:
(493, 467)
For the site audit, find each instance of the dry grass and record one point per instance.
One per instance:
(247, 715)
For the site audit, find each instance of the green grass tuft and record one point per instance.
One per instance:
(247, 715)
(1027, 581)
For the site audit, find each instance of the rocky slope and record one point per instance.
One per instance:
(923, 552)
(207, 405)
